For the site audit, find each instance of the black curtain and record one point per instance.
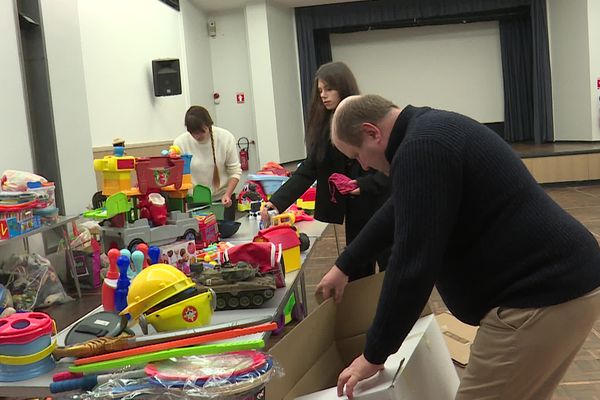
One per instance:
(543, 125)
(517, 66)
(314, 24)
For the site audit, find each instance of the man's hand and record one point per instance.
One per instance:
(356, 191)
(332, 284)
(264, 214)
(357, 371)
(226, 200)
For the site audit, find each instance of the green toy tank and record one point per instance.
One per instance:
(237, 286)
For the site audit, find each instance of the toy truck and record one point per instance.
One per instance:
(179, 226)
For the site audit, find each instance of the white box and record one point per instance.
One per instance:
(421, 369)
(314, 353)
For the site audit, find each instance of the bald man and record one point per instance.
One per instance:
(466, 215)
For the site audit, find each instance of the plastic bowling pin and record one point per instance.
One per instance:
(143, 247)
(110, 282)
(154, 254)
(122, 284)
(126, 253)
(138, 261)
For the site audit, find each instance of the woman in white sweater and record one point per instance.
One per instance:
(215, 161)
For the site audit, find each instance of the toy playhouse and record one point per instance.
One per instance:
(287, 237)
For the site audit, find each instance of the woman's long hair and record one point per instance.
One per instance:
(196, 118)
(337, 76)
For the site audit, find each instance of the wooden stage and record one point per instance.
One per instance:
(561, 161)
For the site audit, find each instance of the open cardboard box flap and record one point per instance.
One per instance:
(458, 336)
(314, 353)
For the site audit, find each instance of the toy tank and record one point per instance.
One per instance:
(237, 286)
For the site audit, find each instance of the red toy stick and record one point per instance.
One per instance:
(211, 337)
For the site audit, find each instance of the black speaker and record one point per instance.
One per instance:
(166, 76)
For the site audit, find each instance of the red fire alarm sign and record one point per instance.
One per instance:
(240, 98)
(598, 83)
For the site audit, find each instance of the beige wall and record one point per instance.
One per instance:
(570, 65)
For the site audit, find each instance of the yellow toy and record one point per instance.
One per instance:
(287, 218)
(168, 299)
(116, 173)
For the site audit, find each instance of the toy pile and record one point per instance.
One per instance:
(177, 362)
(261, 185)
(26, 202)
(184, 356)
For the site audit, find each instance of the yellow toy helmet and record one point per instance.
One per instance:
(169, 298)
(191, 312)
(154, 285)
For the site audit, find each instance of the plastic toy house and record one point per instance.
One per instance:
(116, 173)
(201, 196)
(177, 198)
(115, 208)
(158, 172)
(287, 237)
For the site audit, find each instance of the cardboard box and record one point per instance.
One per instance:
(179, 254)
(458, 337)
(322, 345)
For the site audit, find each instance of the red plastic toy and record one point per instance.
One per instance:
(153, 207)
(158, 172)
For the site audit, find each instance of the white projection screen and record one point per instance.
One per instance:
(453, 67)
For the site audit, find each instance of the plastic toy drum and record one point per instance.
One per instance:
(26, 346)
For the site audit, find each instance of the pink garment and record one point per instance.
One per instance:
(342, 184)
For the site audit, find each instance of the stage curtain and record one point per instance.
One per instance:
(517, 65)
(543, 126)
(314, 24)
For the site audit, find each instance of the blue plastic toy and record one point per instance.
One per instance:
(153, 254)
(122, 284)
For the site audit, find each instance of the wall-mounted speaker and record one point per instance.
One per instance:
(166, 76)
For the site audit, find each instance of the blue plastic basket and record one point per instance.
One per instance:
(269, 183)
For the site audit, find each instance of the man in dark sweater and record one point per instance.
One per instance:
(466, 215)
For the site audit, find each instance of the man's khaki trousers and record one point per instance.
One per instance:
(524, 353)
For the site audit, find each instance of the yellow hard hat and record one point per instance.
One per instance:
(189, 313)
(154, 285)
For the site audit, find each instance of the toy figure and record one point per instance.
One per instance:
(174, 151)
(154, 208)
(118, 147)
(255, 200)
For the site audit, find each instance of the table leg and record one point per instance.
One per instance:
(70, 258)
(337, 243)
(303, 290)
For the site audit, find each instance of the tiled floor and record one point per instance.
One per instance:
(582, 380)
